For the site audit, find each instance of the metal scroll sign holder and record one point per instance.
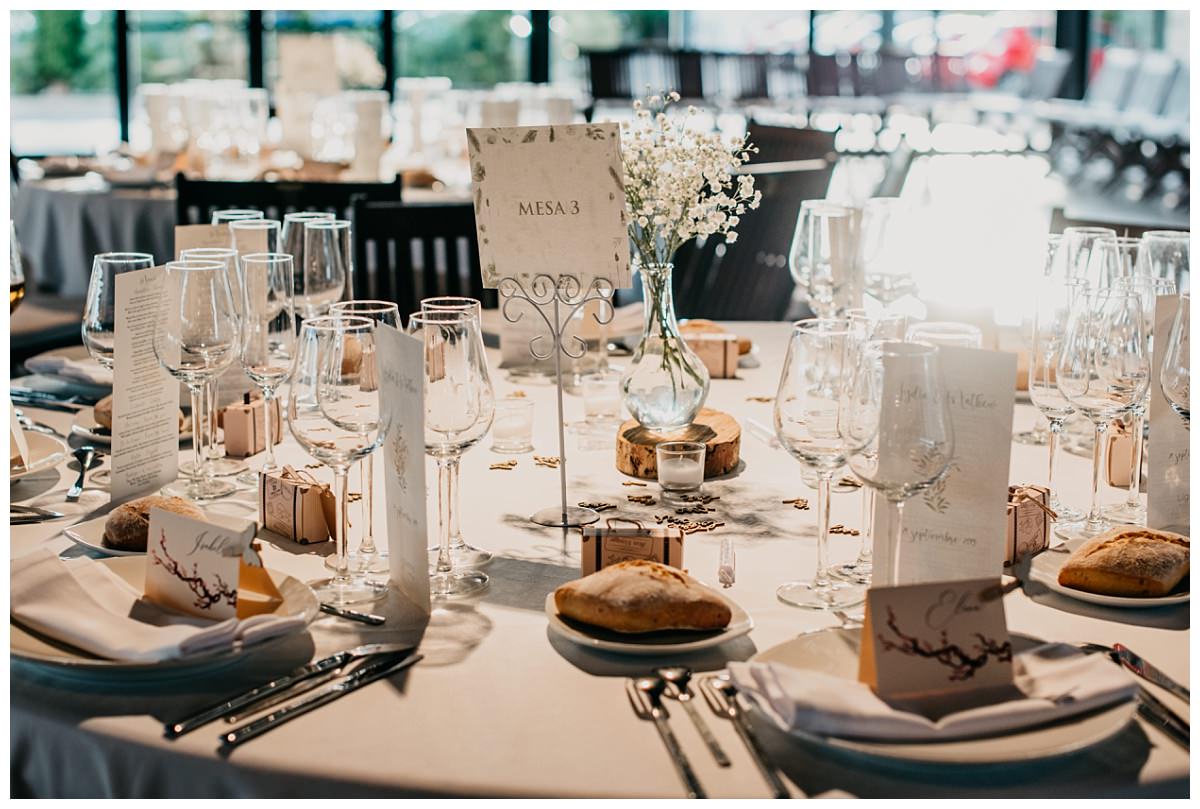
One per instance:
(556, 299)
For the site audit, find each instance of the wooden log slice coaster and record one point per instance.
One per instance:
(719, 431)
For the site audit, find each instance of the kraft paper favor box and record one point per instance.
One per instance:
(718, 352)
(245, 432)
(296, 505)
(1119, 459)
(607, 545)
(1027, 522)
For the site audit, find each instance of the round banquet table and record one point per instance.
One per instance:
(501, 708)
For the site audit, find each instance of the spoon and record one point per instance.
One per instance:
(84, 455)
(678, 676)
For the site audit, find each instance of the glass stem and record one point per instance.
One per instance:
(268, 431)
(455, 532)
(197, 392)
(342, 578)
(895, 528)
(1056, 426)
(868, 525)
(366, 547)
(210, 418)
(1134, 499)
(446, 466)
(1095, 519)
(824, 487)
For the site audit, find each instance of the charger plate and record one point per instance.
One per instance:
(835, 652)
(45, 451)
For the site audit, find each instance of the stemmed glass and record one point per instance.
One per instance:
(291, 235)
(896, 420)
(99, 310)
(1082, 259)
(456, 417)
(197, 336)
(1175, 376)
(883, 256)
(1166, 254)
(230, 215)
(268, 337)
(945, 333)
(806, 422)
(822, 257)
(333, 412)
(1102, 370)
(326, 265)
(1039, 435)
(244, 236)
(465, 555)
(367, 558)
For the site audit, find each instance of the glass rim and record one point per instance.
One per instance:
(428, 304)
(254, 224)
(190, 265)
(208, 251)
(364, 306)
(331, 324)
(945, 326)
(825, 206)
(680, 446)
(1168, 235)
(268, 258)
(1089, 230)
(307, 216)
(239, 212)
(123, 257)
(327, 224)
(900, 348)
(812, 325)
(430, 317)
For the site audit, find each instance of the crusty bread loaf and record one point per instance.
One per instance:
(1128, 561)
(128, 525)
(102, 412)
(642, 596)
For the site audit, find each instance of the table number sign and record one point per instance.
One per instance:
(402, 418)
(207, 570)
(1168, 475)
(550, 200)
(938, 647)
(956, 529)
(145, 424)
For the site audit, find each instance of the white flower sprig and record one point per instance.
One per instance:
(679, 181)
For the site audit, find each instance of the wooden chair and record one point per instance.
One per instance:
(779, 144)
(404, 253)
(197, 199)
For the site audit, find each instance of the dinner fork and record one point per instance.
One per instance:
(721, 695)
(645, 696)
(678, 677)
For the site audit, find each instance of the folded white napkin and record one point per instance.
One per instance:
(86, 605)
(1057, 680)
(78, 370)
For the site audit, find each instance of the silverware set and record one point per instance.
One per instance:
(1150, 707)
(30, 515)
(646, 696)
(317, 683)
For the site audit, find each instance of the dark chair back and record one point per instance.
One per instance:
(736, 76)
(1149, 89)
(749, 279)
(609, 74)
(404, 253)
(1109, 87)
(1049, 70)
(779, 144)
(823, 76)
(197, 199)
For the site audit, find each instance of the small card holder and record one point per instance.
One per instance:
(1027, 522)
(296, 505)
(608, 545)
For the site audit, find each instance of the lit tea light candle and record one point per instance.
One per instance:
(680, 466)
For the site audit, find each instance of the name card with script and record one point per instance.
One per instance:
(550, 200)
(937, 648)
(145, 421)
(401, 359)
(205, 569)
(956, 528)
(1168, 475)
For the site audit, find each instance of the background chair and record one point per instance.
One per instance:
(779, 144)
(197, 199)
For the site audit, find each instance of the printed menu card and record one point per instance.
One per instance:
(550, 200)
(145, 420)
(1168, 475)
(401, 359)
(956, 528)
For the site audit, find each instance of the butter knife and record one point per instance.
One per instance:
(368, 674)
(1126, 657)
(174, 730)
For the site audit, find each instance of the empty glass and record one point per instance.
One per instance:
(229, 215)
(326, 265)
(884, 251)
(822, 257)
(1175, 376)
(1081, 259)
(254, 236)
(1166, 254)
(99, 310)
(946, 333)
(291, 238)
(601, 392)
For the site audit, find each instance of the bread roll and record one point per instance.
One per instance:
(1128, 561)
(642, 596)
(103, 414)
(128, 525)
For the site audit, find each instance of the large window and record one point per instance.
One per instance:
(354, 38)
(172, 46)
(573, 32)
(62, 88)
(472, 48)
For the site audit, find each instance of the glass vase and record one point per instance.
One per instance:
(666, 384)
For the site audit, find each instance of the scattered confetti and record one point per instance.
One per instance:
(762, 399)
(505, 465)
(631, 483)
(799, 503)
(548, 461)
(517, 394)
(849, 481)
(686, 525)
(841, 529)
(597, 506)
(643, 499)
(703, 499)
(699, 509)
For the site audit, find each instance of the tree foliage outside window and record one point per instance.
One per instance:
(60, 51)
(473, 48)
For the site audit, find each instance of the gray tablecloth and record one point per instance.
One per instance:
(62, 223)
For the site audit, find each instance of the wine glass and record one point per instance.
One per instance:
(367, 558)
(16, 271)
(1103, 368)
(945, 333)
(884, 260)
(254, 236)
(465, 555)
(865, 327)
(291, 238)
(1166, 254)
(806, 422)
(268, 338)
(213, 452)
(822, 257)
(1052, 268)
(196, 338)
(326, 265)
(896, 418)
(230, 215)
(456, 418)
(99, 310)
(333, 412)
(1175, 376)
(1081, 259)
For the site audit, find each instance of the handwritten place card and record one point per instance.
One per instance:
(937, 648)
(1168, 475)
(205, 569)
(956, 528)
(401, 360)
(550, 199)
(145, 421)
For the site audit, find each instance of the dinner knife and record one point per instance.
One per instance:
(46, 404)
(173, 730)
(1151, 709)
(353, 615)
(1135, 663)
(366, 675)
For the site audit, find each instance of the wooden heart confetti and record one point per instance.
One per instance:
(597, 506)
(643, 499)
(548, 461)
(799, 503)
(505, 465)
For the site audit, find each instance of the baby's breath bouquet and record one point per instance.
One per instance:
(680, 183)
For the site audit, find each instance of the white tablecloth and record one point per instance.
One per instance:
(500, 708)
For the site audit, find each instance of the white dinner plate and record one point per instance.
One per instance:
(667, 642)
(36, 650)
(90, 534)
(45, 451)
(835, 652)
(84, 425)
(1044, 570)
